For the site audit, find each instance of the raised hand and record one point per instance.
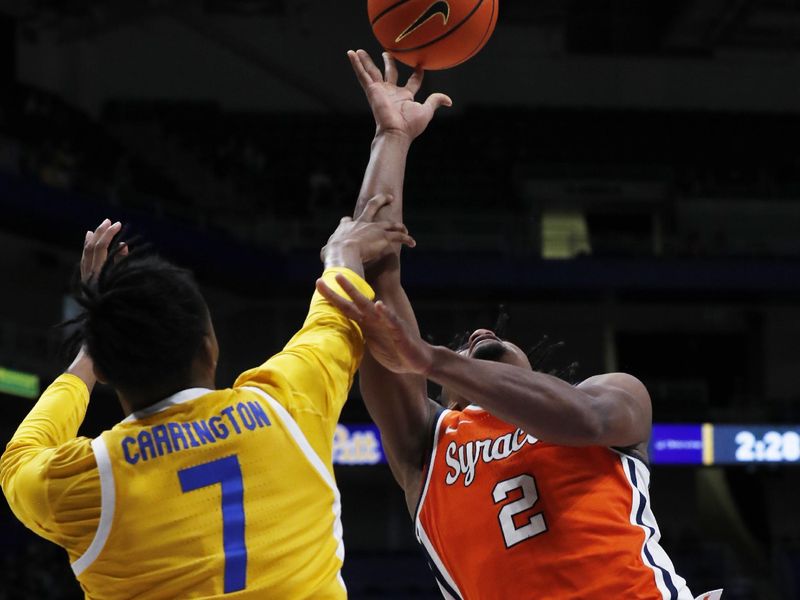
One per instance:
(394, 107)
(390, 339)
(369, 239)
(95, 248)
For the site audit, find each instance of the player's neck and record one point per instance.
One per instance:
(132, 401)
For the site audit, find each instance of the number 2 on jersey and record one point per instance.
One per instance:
(530, 495)
(228, 474)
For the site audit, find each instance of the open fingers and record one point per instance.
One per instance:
(359, 300)
(349, 309)
(87, 245)
(393, 226)
(102, 240)
(398, 237)
(94, 250)
(88, 251)
(361, 73)
(123, 251)
(389, 69)
(436, 101)
(364, 305)
(415, 81)
(373, 206)
(93, 236)
(388, 318)
(369, 66)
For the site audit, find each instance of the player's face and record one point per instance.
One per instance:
(484, 344)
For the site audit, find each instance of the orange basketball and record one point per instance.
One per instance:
(434, 34)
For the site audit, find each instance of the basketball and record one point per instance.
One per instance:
(433, 34)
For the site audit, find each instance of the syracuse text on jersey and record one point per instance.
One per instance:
(464, 458)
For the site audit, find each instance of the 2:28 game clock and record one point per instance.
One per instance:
(756, 444)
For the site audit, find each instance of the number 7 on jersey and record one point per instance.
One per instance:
(228, 474)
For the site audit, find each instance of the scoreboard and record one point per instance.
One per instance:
(671, 444)
(710, 444)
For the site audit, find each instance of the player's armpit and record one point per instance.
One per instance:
(316, 367)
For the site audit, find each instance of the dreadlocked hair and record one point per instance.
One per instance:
(539, 355)
(143, 320)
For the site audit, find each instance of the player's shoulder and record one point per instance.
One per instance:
(624, 382)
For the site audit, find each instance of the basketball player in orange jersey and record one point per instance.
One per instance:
(198, 492)
(526, 486)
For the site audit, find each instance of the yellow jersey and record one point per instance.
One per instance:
(208, 493)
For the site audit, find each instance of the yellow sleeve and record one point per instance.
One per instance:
(48, 475)
(315, 370)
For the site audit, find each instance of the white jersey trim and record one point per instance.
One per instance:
(670, 585)
(107, 504)
(162, 405)
(422, 535)
(305, 447)
(445, 594)
(423, 493)
(712, 595)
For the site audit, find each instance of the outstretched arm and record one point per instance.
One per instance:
(398, 404)
(608, 410)
(399, 120)
(45, 460)
(313, 373)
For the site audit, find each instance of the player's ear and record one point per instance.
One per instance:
(209, 350)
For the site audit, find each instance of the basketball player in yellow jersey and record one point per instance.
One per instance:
(198, 492)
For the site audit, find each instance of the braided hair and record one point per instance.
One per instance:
(142, 321)
(539, 355)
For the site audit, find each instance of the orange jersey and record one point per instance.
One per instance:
(504, 515)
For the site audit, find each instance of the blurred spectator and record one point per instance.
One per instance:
(320, 188)
(37, 571)
(9, 154)
(57, 165)
(121, 185)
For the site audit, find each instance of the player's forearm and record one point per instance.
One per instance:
(399, 406)
(389, 290)
(344, 255)
(543, 406)
(83, 368)
(385, 174)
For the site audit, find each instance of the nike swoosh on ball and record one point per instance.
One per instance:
(437, 8)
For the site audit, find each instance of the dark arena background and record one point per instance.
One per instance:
(622, 176)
